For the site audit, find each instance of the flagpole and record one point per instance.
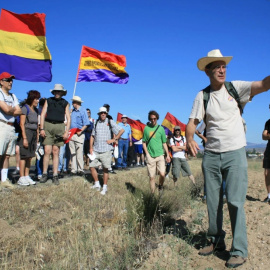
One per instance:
(77, 74)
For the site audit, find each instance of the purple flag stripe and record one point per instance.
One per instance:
(25, 69)
(102, 75)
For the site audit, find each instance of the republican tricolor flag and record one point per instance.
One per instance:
(23, 49)
(170, 122)
(97, 66)
(137, 127)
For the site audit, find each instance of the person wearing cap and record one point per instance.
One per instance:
(123, 143)
(179, 162)
(154, 145)
(79, 119)
(224, 155)
(52, 128)
(107, 106)
(101, 146)
(9, 108)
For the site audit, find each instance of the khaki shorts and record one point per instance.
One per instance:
(53, 132)
(180, 165)
(7, 139)
(104, 159)
(154, 164)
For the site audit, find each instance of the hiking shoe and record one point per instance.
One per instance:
(81, 173)
(235, 261)
(15, 172)
(208, 250)
(126, 169)
(104, 191)
(23, 181)
(44, 178)
(30, 180)
(96, 187)
(7, 184)
(55, 180)
(112, 171)
(39, 177)
(266, 200)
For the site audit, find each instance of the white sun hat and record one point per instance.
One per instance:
(212, 56)
(77, 98)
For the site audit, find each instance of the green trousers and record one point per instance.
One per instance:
(232, 167)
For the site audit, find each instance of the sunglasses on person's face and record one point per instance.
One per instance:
(8, 80)
(152, 119)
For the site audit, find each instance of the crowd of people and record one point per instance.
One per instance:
(219, 106)
(49, 128)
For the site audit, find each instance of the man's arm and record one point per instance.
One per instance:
(42, 119)
(17, 111)
(260, 86)
(192, 146)
(168, 159)
(65, 136)
(265, 135)
(200, 135)
(6, 108)
(116, 137)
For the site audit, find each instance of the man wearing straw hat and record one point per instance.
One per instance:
(52, 127)
(225, 155)
(79, 119)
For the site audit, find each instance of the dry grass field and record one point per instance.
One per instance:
(71, 226)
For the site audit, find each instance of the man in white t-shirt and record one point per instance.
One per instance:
(225, 155)
(9, 108)
(179, 162)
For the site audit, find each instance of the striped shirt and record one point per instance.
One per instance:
(102, 134)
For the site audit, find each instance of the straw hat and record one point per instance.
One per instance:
(77, 98)
(212, 56)
(59, 87)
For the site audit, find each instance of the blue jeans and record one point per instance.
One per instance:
(64, 157)
(123, 151)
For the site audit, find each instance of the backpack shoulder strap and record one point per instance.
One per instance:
(232, 91)
(206, 96)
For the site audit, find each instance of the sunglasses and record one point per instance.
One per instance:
(8, 80)
(153, 118)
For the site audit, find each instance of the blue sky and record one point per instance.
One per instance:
(162, 41)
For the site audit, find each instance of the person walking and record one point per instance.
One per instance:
(154, 145)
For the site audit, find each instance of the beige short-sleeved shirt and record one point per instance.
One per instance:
(224, 126)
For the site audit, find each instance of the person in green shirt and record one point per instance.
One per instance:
(154, 144)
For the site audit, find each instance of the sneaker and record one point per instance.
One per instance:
(104, 191)
(39, 176)
(96, 187)
(7, 184)
(235, 261)
(225, 199)
(126, 169)
(213, 247)
(204, 199)
(30, 180)
(55, 180)
(44, 178)
(266, 200)
(160, 189)
(167, 176)
(23, 181)
(112, 171)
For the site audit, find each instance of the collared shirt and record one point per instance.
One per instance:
(127, 129)
(102, 134)
(79, 118)
(10, 100)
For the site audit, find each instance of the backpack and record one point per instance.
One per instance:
(18, 120)
(232, 91)
(110, 126)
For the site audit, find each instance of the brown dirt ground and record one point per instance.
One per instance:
(257, 218)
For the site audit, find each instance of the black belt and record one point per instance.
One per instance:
(123, 139)
(54, 122)
(8, 123)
